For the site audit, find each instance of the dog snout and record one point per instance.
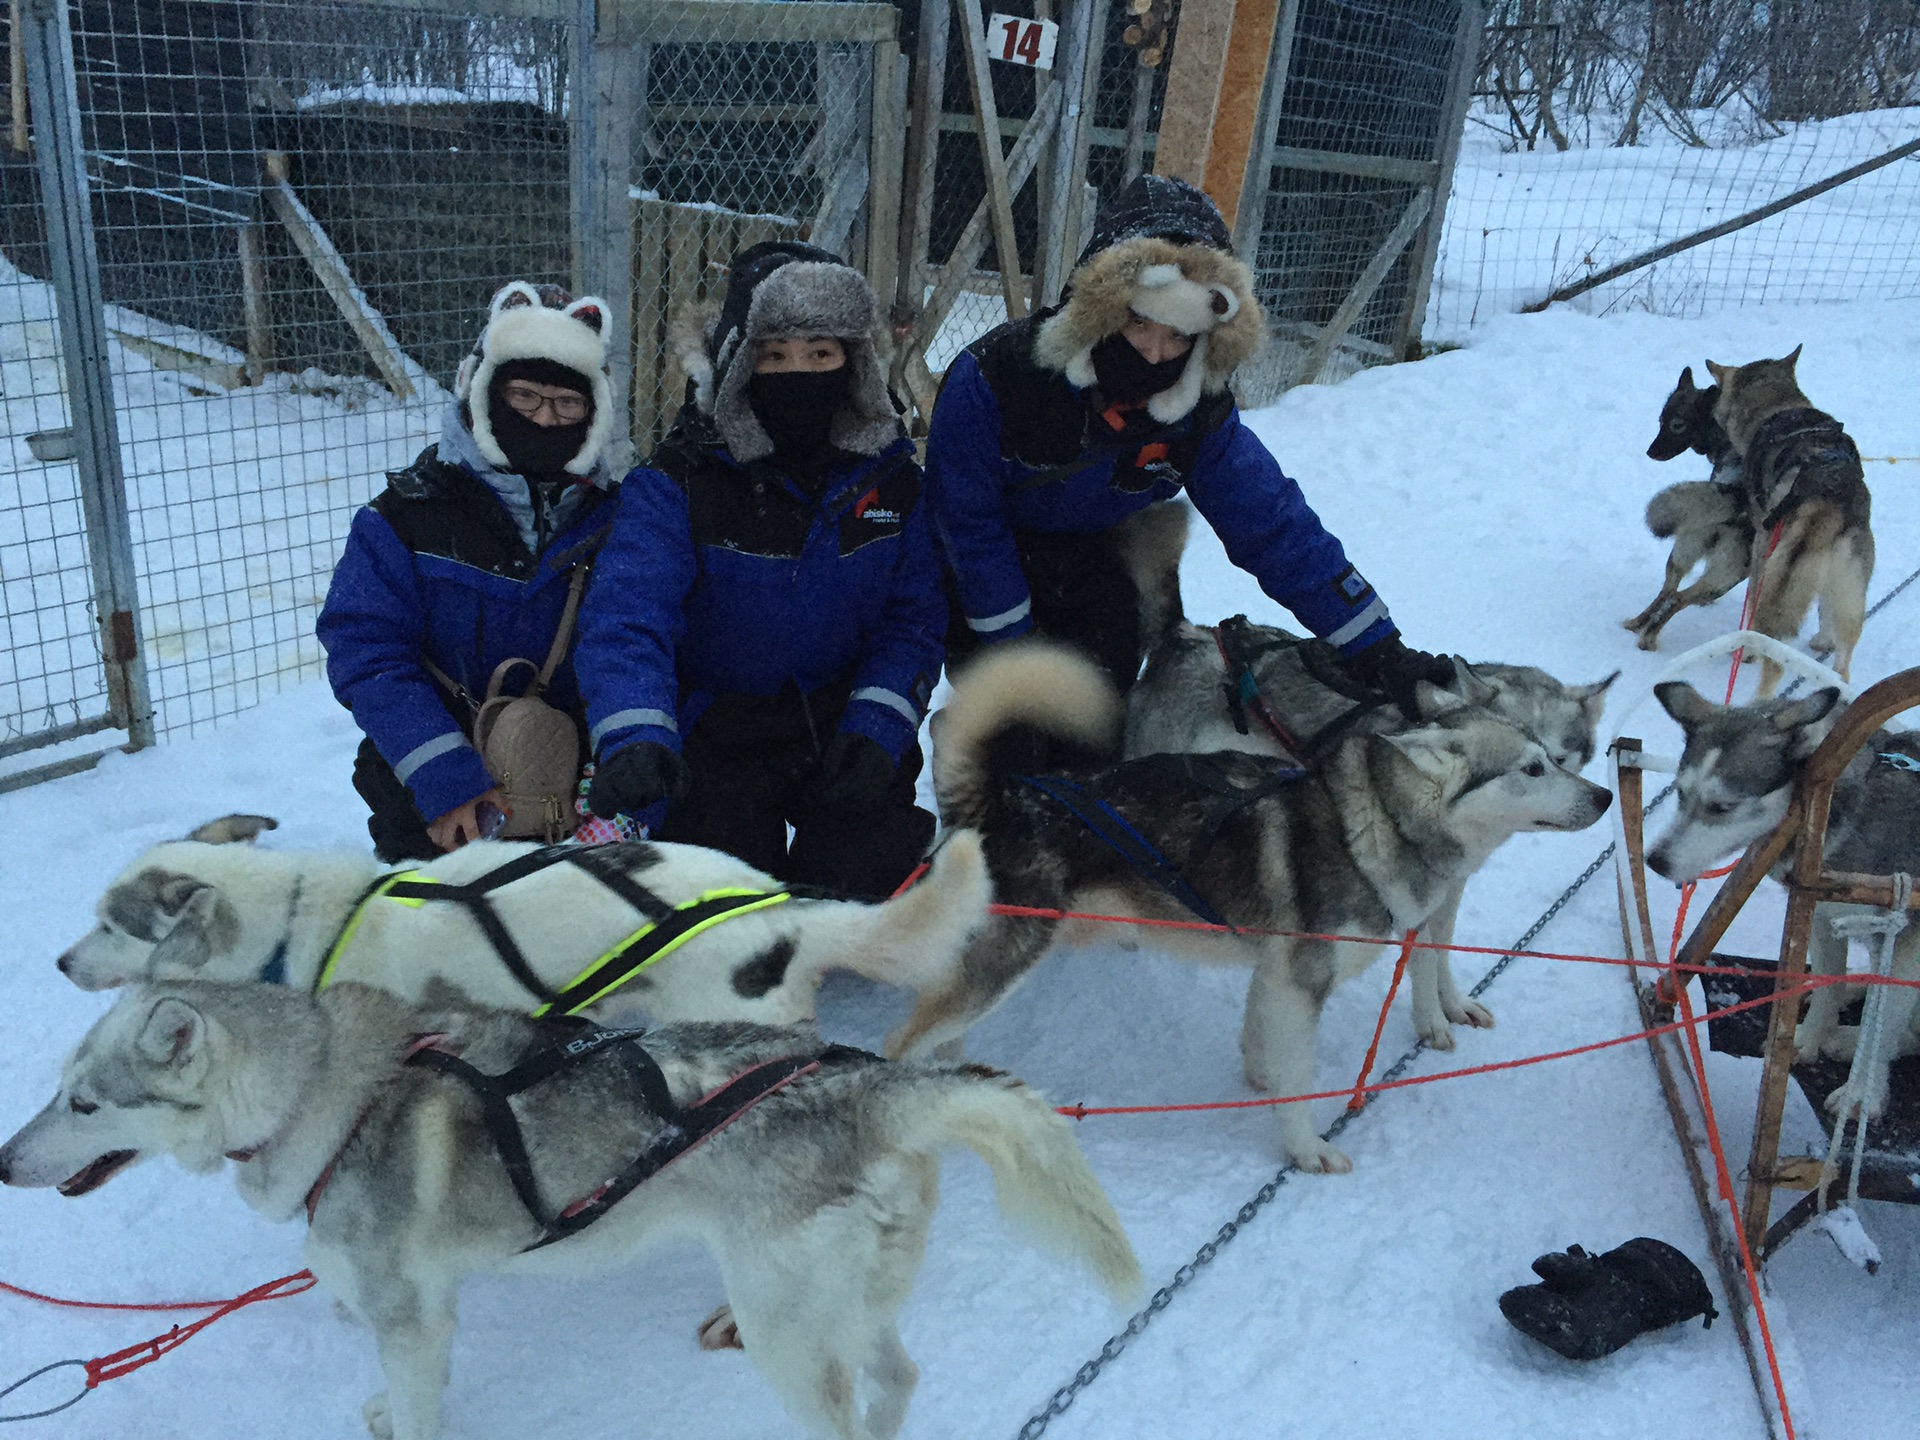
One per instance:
(65, 964)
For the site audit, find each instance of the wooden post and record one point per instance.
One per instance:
(1238, 109)
(1250, 209)
(1453, 122)
(253, 303)
(886, 136)
(1079, 67)
(1193, 89)
(649, 319)
(923, 150)
(986, 124)
(17, 78)
(1138, 118)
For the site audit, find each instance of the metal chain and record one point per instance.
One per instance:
(1063, 1398)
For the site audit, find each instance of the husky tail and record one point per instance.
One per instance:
(1692, 502)
(914, 938)
(1045, 1187)
(1022, 682)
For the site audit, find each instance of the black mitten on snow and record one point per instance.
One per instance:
(855, 773)
(629, 780)
(1587, 1306)
(1396, 669)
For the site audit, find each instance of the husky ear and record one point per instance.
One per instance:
(1592, 699)
(204, 923)
(1686, 381)
(1424, 756)
(1470, 685)
(1794, 359)
(1809, 721)
(233, 829)
(1684, 703)
(173, 1034)
(1721, 373)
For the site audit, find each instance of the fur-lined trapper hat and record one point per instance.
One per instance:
(539, 322)
(1160, 250)
(784, 290)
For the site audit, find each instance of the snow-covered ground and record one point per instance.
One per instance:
(1494, 493)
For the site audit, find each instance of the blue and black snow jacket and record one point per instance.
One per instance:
(437, 566)
(723, 578)
(1016, 447)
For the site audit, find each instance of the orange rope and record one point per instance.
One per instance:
(1747, 609)
(1359, 1100)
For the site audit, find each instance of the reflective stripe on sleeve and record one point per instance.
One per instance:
(1375, 612)
(1002, 620)
(621, 719)
(411, 762)
(889, 699)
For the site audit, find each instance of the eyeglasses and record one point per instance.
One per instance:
(525, 400)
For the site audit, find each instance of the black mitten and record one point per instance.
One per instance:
(629, 780)
(1396, 669)
(855, 773)
(1587, 1306)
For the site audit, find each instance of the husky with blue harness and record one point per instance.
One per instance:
(1368, 842)
(677, 931)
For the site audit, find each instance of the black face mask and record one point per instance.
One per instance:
(796, 407)
(532, 448)
(1126, 377)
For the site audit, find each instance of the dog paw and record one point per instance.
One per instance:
(1841, 1101)
(1437, 1033)
(379, 1417)
(1320, 1158)
(1810, 1043)
(1471, 1012)
(1649, 640)
(719, 1331)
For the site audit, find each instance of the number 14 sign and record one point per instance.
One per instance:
(1022, 42)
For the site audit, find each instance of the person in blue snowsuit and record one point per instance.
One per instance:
(764, 628)
(1052, 430)
(465, 561)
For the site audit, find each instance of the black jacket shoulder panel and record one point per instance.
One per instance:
(439, 509)
(1043, 419)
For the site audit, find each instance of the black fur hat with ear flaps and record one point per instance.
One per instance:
(1161, 250)
(527, 322)
(785, 290)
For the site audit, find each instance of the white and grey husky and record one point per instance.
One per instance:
(1734, 785)
(815, 1200)
(732, 943)
(1370, 843)
(1189, 699)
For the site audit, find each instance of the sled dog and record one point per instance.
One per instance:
(224, 911)
(1189, 700)
(1735, 781)
(1804, 483)
(1706, 519)
(815, 1200)
(1370, 843)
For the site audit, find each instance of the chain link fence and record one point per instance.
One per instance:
(300, 209)
(1604, 129)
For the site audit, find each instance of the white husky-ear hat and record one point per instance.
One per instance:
(540, 322)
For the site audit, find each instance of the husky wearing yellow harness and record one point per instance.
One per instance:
(814, 1187)
(678, 931)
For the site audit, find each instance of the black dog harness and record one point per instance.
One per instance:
(681, 1129)
(1239, 649)
(667, 926)
(1109, 825)
(1790, 448)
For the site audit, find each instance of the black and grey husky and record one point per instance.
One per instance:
(816, 1200)
(1707, 520)
(1206, 689)
(1734, 785)
(1369, 844)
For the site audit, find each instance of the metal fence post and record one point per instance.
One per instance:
(75, 266)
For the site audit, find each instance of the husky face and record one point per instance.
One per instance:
(1496, 780)
(1736, 773)
(1686, 420)
(152, 919)
(1565, 718)
(137, 1086)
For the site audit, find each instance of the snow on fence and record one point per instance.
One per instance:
(298, 209)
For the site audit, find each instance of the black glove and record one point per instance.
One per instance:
(628, 781)
(1590, 1305)
(855, 773)
(1394, 668)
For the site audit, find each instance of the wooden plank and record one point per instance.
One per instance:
(1453, 125)
(650, 322)
(843, 156)
(999, 198)
(886, 139)
(687, 21)
(254, 305)
(1237, 111)
(972, 243)
(1083, 198)
(1376, 271)
(1336, 162)
(1193, 89)
(1059, 203)
(604, 139)
(923, 149)
(1250, 216)
(368, 326)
